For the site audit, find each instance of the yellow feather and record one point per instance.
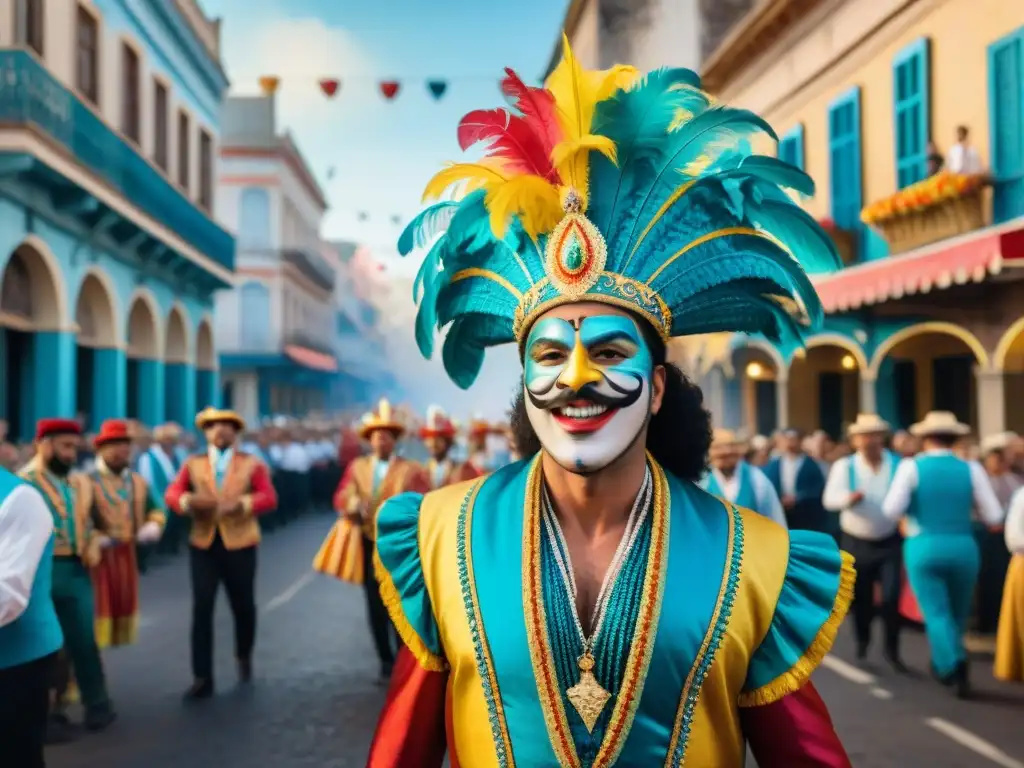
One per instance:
(483, 175)
(533, 199)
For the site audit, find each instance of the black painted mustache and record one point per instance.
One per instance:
(619, 396)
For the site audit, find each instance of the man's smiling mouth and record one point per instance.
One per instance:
(582, 416)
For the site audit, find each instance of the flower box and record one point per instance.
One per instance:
(846, 242)
(942, 206)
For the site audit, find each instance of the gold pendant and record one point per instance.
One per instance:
(587, 696)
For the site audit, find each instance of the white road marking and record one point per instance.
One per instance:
(974, 743)
(881, 693)
(289, 593)
(848, 671)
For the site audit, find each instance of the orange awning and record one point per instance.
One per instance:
(970, 258)
(310, 358)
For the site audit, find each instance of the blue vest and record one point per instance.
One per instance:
(745, 497)
(36, 633)
(944, 496)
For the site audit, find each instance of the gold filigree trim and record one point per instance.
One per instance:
(726, 232)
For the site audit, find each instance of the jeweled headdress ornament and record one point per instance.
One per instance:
(639, 192)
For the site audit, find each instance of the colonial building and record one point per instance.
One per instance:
(276, 328)
(928, 312)
(109, 250)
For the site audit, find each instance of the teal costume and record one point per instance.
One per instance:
(745, 498)
(941, 555)
(808, 513)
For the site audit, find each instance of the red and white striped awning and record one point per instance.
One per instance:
(971, 258)
(310, 358)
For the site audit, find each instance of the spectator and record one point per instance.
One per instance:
(963, 158)
(934, 158)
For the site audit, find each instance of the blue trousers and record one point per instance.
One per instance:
(943, 571)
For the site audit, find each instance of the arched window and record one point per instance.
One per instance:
(254, 307)
(254, 218)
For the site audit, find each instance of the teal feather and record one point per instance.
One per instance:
(462, 357)
(428, 270)
(427, 225)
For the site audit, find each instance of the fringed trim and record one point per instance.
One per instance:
(793, 679)
(393, 602)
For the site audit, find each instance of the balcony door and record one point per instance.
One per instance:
(1006, 110)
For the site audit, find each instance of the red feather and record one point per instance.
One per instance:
(512, 139)
(537, 106)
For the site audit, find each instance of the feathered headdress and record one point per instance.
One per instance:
(639, 192)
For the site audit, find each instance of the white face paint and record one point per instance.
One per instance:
(588, 388)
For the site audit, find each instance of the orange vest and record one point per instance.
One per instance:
(236, 531)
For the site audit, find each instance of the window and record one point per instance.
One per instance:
(1006, 124)
(911, 87)
(28, 24)
(87, 56)
(184, 161)
(254, 218)
(844, 160)
(791, 147)
(205, 170)
(130, 115)
(160, 128)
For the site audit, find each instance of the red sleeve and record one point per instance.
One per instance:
(182, 484)
(411, 729)
(418, 482)
(794, 732)
(261, 491)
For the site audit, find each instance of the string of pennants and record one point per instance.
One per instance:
(389, 89)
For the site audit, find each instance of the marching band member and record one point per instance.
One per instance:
(514, 651)
(438, 435)
(733, 479)
(935, 492)
(857, 486)
(476, 444)
(368, 482)
(223, 490)
(127, 513)
(159, 466)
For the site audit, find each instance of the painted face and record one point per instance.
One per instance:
(588, 388)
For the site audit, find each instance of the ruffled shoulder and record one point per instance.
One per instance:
(813, 602)
(403, 588)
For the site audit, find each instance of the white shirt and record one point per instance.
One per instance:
(145, 467)
(789, 468)
(963, 159)
(768, 503)
(897, 501)
(25, 528)
(865, 520)
(295, 458)
(1014, 531)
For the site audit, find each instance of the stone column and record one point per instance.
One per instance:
(781, 402)
(884, 389)
(110, 385)
(150, 394)
(868, 393)
(732, 402)
(53, 376)
(180, 392)
(991, 402)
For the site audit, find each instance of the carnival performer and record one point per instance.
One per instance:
(223, 491)
(935, 492)
(477, 433)
(800, 482)
(734, 480)
(77, 547)
(368, 482)
(533, 602)
(127, 513)
(856, 487)
(30, 635)
(1009, 663)
(438, 435)
(158, 466)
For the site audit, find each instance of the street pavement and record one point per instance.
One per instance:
(315, 700)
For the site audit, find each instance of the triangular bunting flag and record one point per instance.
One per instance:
(437, 87)
(269, 84)
(389, 88)
(330, 87)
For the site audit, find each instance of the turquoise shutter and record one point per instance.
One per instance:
(791, 147)
(844, 160)
(911, 70)
(1006, 124)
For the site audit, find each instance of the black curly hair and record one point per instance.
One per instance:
(678, 435)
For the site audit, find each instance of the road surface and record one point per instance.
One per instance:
(314, 700)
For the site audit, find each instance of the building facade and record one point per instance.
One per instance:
(109, 250)
(276, 328)
(928, 311)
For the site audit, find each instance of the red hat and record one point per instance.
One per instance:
(112, 430)
(51, 427)
(438, 424)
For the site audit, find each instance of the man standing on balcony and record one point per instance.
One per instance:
(856, 488)
(799, 481)
(159, 466)
(368, 482)
(732, 479)
(963, 157)
(223, 490)
(438, 435)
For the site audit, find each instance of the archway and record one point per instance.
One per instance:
(144, 374)
(1009, 359)
(928, 366)
(206, 366)
(824, 385)
(179, 373)
(97, 340)
(752, 394)
(31, 300)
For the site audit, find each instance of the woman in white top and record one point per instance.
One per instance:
(1009, 664)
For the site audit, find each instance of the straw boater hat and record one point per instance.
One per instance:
(382, 418)
(997, 442)
(868, 424)
(939, 423)
(725, 438)
(438, 424)
(211, 415)
(112, 431)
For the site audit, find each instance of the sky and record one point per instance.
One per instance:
(383, 152)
